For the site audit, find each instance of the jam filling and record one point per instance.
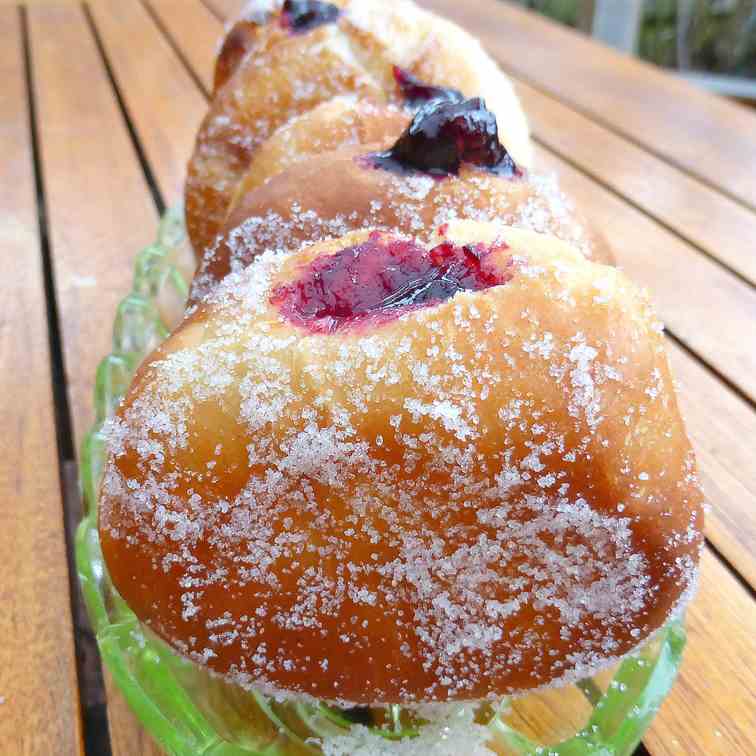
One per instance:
(417, 93)
(381, 279)
(443, 135)
(299, 16)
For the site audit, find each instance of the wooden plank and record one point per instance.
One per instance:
(718, 420)
(721, 426)
(194, 31)
(100, 215)
(39, 698)
(226, 9)
(707, 136)
(710, 711)
(687, 287)
(162, 99)
(100, 211)
(721, 227)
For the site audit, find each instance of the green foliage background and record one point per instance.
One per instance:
(719, 37)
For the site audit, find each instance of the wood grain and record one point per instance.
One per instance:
(194, 30)
(226, 9)
(39, 707)
(716, 678)
(100, 215)
(717, 417)
(721, 227)
(722, 427)
(163, 101)
(708, 136)
(710, 711)
(100, 211)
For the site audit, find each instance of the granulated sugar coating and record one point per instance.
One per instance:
(266, 76)
(479, 496)
(450, 735)
(285, 213)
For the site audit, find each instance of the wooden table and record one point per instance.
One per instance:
(98, 110)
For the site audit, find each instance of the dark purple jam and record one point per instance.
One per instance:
(302, 15)
(445, 134)
(417, 93)
(382, 278)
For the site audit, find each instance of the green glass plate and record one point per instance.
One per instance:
(190, 712)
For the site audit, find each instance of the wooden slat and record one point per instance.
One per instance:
(708, 136)
(39, 711)
(718, 225)
(226, 9)
(688, 288)
(706, 306)
(100, 212)
(161, 97)
(722, 427)
(194, 30)
(100, 215)
(711, 711)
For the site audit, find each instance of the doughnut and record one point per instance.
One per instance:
(448, 163)
(335, 123)
(309, 52)
(378, 470)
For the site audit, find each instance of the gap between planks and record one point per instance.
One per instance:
(40, 710)
(89, 671)
(73, 243)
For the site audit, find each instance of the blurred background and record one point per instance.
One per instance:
(711, 42)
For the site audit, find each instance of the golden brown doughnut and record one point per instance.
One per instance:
(277, 74)
(332, 193)
(332, 479)
(238, 42)
(335, 123)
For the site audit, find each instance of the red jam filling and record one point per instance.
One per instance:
(443, 135)
(417, 93)
(381, 279)
(299, 16)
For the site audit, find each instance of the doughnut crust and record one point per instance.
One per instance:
(351, 194)
(268, 77)
(333, 124)
(470, 498)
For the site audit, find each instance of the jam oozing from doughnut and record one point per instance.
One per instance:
(302, 15)
(383, 278)
(443, 135)
(417, 93)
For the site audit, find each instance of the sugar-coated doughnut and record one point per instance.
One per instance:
(379, 470)
(336, 123)
(267, 75)
(427, 178)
